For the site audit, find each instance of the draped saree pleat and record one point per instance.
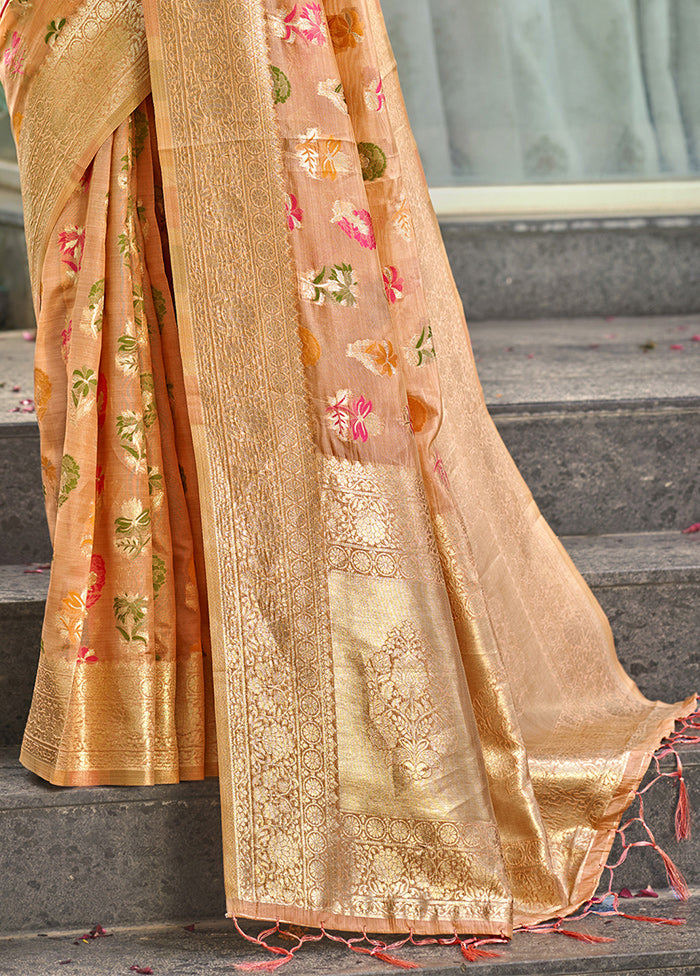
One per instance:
(420, 717)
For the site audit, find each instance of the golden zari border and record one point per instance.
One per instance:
(235, 292)
(92, 77)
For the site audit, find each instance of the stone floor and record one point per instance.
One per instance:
(213, 947)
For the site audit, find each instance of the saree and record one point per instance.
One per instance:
(289, 542)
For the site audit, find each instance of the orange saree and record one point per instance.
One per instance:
(275, 493)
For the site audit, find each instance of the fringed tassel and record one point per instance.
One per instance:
(472, 952)
(677, 882)
(582, 936)
(652, 918)
(682, 809)
(385, 957)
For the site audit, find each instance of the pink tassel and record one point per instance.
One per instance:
(582, 936)
(653, 919)
(385, 957)
(471, 953)
(678, 884)
(268, 966)
(682, 811)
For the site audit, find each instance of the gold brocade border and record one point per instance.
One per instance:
(91, 79)
(113, 747)
(235, 292)
(463, 402)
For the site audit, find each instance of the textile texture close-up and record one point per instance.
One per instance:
(289, 543)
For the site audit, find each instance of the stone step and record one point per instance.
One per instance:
(134, 855)
(637, 949)
(517, 268)
(648, 584)
(605, 434)
(570, 268)
(601, 417)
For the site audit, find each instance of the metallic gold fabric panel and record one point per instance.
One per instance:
(261, 504)
(586, 731)
(72, 87)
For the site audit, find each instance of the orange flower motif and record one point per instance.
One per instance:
(322, 158)
(71, 616)
(346, 29)
(384, 357)
(42, 392)
(310, 347)
(418, 412)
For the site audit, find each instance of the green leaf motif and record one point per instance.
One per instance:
(70, 475)
(148, 393)
(130, 615)
(424, 346)
(133, 530)
(281, 87)
(54, 29)
(94, 312)
(159, 306)
(140, 131)
(84, 384)
(159, 574)
(372, 160)
(337, 283)
(155, 481)
(131, 433)
(341, 282)
(128, 354)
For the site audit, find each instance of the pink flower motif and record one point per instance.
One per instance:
(311, 24)
(354, 222)
(86, 655)
(375, 99)
(96, 580)
(439, 470)
(71, 241)
(393, 285)
(14, 55)
(86, 179)
(294, 212)
(348, 416)
(289, 28)
(361, 409)
(65, 341)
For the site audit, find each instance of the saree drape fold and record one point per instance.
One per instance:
(420, 717)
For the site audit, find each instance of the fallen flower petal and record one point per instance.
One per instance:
(16, 388)
(695, 338)
(677, 345)
(96, 932)
(646, 893)
(695, 527)
(188, 928)
(30, 337)
(145, 970)
(625, 893)
(64, 962)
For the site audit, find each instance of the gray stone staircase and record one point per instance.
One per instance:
(603, 418)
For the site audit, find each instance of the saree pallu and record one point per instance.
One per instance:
(420, 718)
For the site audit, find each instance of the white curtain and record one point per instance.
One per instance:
(511, 91)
